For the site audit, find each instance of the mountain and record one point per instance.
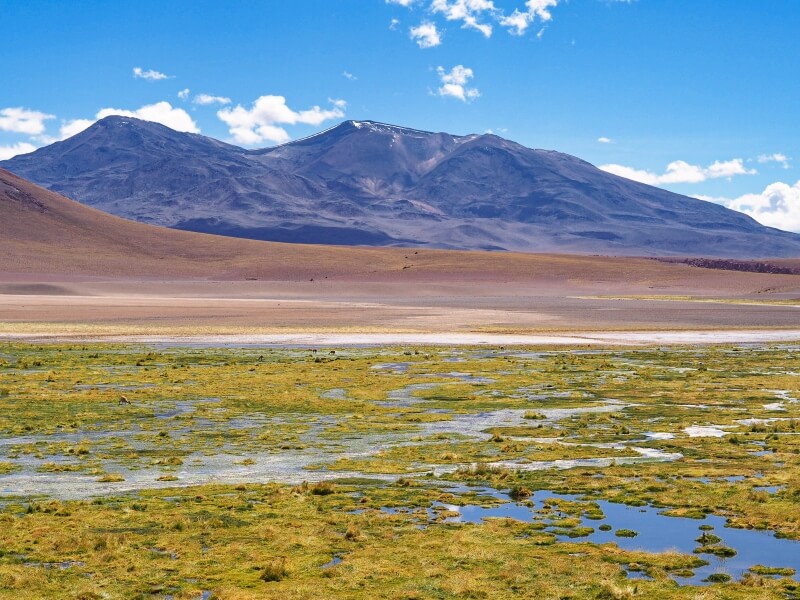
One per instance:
(52, 245)
(368, 183)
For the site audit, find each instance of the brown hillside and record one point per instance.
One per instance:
(45, 234)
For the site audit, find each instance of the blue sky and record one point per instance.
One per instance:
(697, 97)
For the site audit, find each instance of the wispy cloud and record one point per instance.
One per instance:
(605, 140)
(680, 171)
(263, 120)
(206, 99)
(149, 75)
(349, 76)
(184, 94)
(23, 120)
(425, 34)
(454, 83)
(777, 157)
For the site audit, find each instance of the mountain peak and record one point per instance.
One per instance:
(352, 126)
(378, 127)
(121, 121)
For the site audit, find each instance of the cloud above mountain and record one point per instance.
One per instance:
(454, 83)
(16, 149)
(777, 206)
(23, 120)
(680, 171)
(160, 112)
(263, 121)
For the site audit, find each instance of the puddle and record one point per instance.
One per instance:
(755, 421)
(659, 435)
(332, 563)
(707, 430)
(645, 455)
(785, 396)
(67, 564)
(114, 386)
(770, 489)
(180, 408)
(656, 532)
(404, 397)
(395, 367)
(465, 377)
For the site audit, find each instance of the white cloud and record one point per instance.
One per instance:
(728, 168)
(467, 11)
(261, 122)
(777, 157)
(350, 76)
(482, 15)
(680, 171)
(519, 21)
(454, 83)
(149, 75)
(605, 140)
(184, 94)
(160, 112)
(18, 148)
(393, 24)
(777, 206)
(22, 120)
(425, 34)
(205, 99)
(74, 127)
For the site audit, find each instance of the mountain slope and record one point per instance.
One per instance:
(368, 183)
(42, 232)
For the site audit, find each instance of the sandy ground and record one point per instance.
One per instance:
(312, 340)
(351, 312)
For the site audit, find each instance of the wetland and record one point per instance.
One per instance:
(143, 471)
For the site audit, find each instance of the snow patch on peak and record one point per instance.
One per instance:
(378, 127)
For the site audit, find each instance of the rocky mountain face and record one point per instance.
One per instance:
(368, 183)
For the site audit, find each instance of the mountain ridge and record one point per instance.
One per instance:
(372, 183)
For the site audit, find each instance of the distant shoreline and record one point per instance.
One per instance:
(311, 339)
